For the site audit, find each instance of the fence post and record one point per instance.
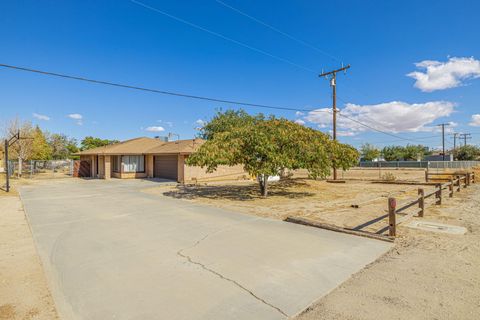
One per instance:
(464, 181)
(438, 194)
(468, 179)
(426, 175)
(421, 201)
(392, 225)
(450, 188)
(458, 183)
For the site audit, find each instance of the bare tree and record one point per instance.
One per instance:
(23, 148)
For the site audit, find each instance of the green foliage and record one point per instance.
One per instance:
(91, 142)
(62, 146)
(41, 150)
(412, 152)
(266, 146)
(392, 153)
(467, 153)
(369, 152)
(409, 152)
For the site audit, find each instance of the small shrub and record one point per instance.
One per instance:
(389, 177)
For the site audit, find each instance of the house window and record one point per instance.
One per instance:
(116, 163)
(133, 163)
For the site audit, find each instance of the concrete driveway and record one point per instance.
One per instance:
(111, 251)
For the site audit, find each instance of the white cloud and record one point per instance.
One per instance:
(300, 121)
(76, 116)
(344, 133)
(475, 120)
(322, 117)
(154, 129)
(201, 122)
(40, 116)
(395, 116)
(299, 113)
(444, 75)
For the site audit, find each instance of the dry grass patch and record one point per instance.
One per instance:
(312, 199)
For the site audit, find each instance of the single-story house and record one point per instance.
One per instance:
(151, 158)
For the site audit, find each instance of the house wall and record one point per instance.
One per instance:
(93, 166)
(149, 165)
(101, 167)
(108, 167)
(186, 174)
(197, 174)
(129, 175)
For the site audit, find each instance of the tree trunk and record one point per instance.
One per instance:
(263, 182)
(20, 163)
(260, 183)
(265, 186)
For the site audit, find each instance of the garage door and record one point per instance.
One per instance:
(166, 167)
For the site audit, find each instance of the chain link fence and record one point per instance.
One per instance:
(420, 164)
(41, 169)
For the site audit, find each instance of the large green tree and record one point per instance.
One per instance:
(413, 152)
(369, 152)
(392, 153)
(92, 142)
(409, 152)
(267, 145)
(468, 152)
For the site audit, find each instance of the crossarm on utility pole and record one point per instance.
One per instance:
(332, 75)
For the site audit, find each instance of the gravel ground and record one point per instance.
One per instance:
(426, 276)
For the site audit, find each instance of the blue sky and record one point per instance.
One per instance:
(122, 41)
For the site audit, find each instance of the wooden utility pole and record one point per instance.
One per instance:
(332, 76)
(465, 136)
(455, 136)
(443, 138)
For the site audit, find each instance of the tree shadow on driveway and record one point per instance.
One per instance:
(239, 192)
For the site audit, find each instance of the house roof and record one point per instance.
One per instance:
(144, 145)
(132, 146)
(180, 146)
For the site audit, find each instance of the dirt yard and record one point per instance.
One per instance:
(426, 276)
(23, 289)
(403, 174)
(315, 200)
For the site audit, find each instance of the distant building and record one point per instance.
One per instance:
(439, 157)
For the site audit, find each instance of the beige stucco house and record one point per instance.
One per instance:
(152, 158)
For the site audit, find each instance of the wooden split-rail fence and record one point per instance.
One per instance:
(455, 183)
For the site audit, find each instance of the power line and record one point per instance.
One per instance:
(392, 141)
(189, 96)
(373, 128)
(277, 30)
(257, 50)
(177, 94)
(191, 24)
